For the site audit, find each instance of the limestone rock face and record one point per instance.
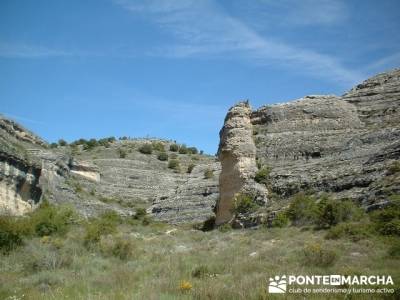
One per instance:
(97, 180)
(237, 154)
(338, 145)
(19, 185)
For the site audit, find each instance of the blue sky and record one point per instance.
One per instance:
(171, 69)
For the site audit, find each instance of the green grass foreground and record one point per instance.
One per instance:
(53, 254)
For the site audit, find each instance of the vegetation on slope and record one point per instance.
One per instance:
(55, 254)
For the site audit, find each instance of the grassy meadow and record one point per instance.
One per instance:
(55, 254)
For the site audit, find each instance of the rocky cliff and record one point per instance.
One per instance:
(98, 179)
(339, 145)
(347, 146)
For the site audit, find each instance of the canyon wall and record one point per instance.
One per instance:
(343, 146)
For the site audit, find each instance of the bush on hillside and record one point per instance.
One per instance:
(262, 175)
(140, 213)
(315, 254)
(122, 153)
(158, 146)
(394, 167)
(302, 209)
(192, 150)
(62, 142)
(183, 149)
(146, 149)
(50, 219)
(103, 225)
(244, 203)
(10, 235)
(280, 220)
(163, 156)
(387, 220)
(331, 212)
(174, 147)
(352, 231)
(174, 165)
(90, 144)
(46, 220)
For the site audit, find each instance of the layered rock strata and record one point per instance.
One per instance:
(237, 154)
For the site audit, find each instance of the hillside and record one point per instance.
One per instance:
(317, 180)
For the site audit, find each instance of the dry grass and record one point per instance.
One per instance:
(157, 262)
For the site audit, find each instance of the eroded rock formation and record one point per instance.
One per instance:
(337, 145)
(237, 154)
(19, 185)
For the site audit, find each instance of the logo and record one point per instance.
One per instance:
(329, 284)
(277, 285)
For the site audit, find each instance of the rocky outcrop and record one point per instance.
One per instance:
(345, 146)
(192, 199)
(237, 154)
(99, 179)
(337, 145)
(84, 169)
(19, 185)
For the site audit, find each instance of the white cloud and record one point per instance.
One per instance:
(387, 62)
(304, 12)
(203, 28)
(29, 51)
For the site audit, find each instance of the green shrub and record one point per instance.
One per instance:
(53, 145)
(244, 203)
(387, 220)
(394, 249)
(122, 248)
(183, 149)
(90, 144)
(62, 142)
(46, 220)
(140, 213)
(95, 228)
(190, 168)
(390, 228)
(331, 212)
(174, 147)
(302, 209)
(281, 220)
(201, 271)
(10, 236)
(50, 219)
(158, 146)
(317, 255)
(174, 164)
(208, 174)
(353, 231)
(146, 149)
(162, 156)
(394, 167)
(262, 175)
(106, 141)
(192, 150)
(146, 220)
(122, 153)
(225, 227)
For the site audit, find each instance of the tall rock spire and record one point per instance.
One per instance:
(237, 154)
